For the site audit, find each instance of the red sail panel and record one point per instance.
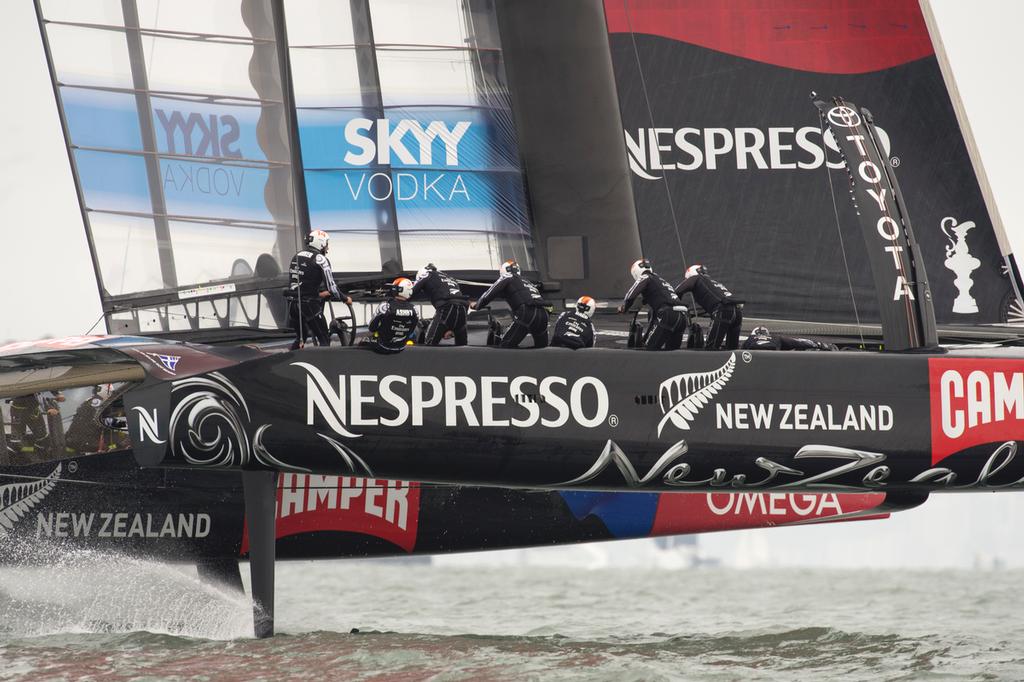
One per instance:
(852, 36)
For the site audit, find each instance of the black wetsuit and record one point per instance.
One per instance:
(667, 324)
(308, 275)
(573, 330)
(27, 416)
(720, 305)
(393, 324)
(449, 307)
(529, 316)
(779, 342)
(84, 433)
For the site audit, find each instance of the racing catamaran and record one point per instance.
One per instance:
(508, 448)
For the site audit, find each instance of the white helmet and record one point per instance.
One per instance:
(425, 271)
(403, 288)
(695, 269)
(318, 239)
(508, 268)
(639, 268)
(760, 332)
(586, 305)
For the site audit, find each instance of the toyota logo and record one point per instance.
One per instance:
(843, 116)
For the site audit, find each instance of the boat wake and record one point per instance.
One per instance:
(66, 590)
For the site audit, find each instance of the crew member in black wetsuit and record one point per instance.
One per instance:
(27, 417)
(529, 316)
(449, 305)
(720, 305)
(668, 314)
(310, 284)
(85, 432)
(762, 339)
(573, 328)
(394, 323)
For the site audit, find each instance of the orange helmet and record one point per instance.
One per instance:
(586, 305)
(403, 288)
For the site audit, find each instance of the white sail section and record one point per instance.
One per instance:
(207, 137)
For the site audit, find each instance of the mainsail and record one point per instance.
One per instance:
(207, 138)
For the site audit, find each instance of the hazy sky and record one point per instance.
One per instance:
(50, 289)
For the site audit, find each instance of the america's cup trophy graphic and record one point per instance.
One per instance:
(961, 262)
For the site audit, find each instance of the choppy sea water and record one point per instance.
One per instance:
(96, 618)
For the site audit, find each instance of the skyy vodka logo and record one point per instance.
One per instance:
(653, 151)
(406, 144)
(347, 403)
(210, 137)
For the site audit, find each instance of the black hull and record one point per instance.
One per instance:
(106, 503)
(603, 419)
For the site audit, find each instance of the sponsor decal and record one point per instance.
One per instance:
(352, 401)
(209, 136)
(803, 417)
(194, 134)
(773, 504)
(212, 290)
(870, 175)
(380, 508)
(651, 151)
(961, 262)
(122, 525)
(18, 499)
(168, 363)
(148, 426)
(682, 396)
(844, 117)
(405, 143)
(678, 474)
(730, 511)
(974, 402)
(627, 515)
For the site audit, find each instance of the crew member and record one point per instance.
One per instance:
(310, 284)
(28, 414)
(762, 339)
(85, 432)
(668, 314)
(449, 305)
(394, 323)
(529, 315)
(720, 305)
(573, 328)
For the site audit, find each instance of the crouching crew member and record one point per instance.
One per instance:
(762, 339)
(395, 322)
(573, 328)
(668, 314)
(529, 316)
(449, 305)
(310, 284)
(720, 305)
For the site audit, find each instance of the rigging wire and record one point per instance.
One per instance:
(839, 231)
(98, 320)
(650, 115)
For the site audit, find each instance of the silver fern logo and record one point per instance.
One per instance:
(683, 395)
(18, 499)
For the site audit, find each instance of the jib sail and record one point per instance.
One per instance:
(728, 160)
